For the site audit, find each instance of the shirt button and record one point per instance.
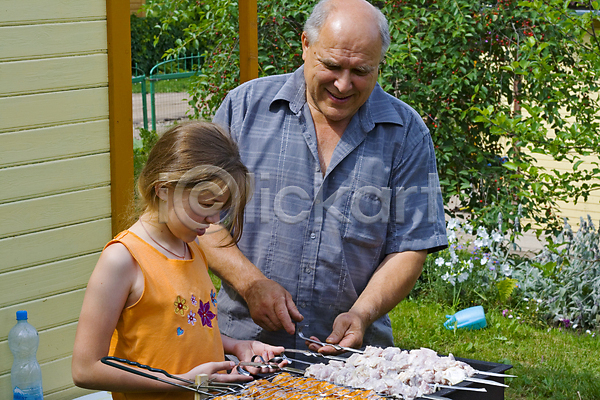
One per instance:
(307, 270)
(303, 305)
(313, 236)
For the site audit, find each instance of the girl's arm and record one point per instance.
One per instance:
(116, 283)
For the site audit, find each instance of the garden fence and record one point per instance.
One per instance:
(167, 100)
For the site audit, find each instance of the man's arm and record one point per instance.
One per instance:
(270, 305)
(391, 283)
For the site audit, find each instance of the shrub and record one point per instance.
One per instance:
(497, 82)
(475, 269)
(565, 277)
(560, 286)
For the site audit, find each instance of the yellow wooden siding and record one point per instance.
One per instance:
(54, 211)
(54, 142)
(47, 40)
(43, 179)
(50, 109)
(45, 75)
(40, 11)
(572, 211)
(55, 201)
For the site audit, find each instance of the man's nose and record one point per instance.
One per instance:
(343, 81)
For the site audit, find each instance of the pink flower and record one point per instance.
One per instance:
(504, 312)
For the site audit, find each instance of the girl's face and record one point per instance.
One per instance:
(191, 211)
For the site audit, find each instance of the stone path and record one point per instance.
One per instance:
(170, 108)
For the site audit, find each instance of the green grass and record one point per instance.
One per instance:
(166, 86)
(550, 363)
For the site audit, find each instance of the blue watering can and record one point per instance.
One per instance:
(470, 318)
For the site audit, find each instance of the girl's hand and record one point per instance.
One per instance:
(244, 350)
(212, 369)
(251, 350)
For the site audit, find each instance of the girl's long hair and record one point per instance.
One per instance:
(192, 153)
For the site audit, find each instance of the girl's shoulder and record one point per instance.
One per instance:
(116, 256)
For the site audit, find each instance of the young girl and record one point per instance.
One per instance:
(150, 298)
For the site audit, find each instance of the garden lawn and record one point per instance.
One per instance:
(550, 363)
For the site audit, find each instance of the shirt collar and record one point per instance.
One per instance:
(378, 108)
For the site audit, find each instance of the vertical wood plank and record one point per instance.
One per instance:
(119, 105)
(248, 40)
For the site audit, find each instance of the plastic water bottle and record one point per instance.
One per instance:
(25, 374)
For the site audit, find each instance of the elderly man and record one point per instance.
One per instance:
(347, 202)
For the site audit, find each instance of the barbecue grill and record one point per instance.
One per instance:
(465, 390)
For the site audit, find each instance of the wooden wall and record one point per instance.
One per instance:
(55, 196)
(135, 5)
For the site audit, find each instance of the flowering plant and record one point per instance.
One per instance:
(475, 267)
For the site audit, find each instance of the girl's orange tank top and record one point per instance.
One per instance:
(173, 326)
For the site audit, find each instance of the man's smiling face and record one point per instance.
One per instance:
(341, 67)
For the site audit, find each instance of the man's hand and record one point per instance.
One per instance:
(271, 306)
(348, 331)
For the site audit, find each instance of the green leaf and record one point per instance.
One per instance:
(510, 165)
(505, 288)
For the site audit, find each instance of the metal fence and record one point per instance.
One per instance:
(166, 103)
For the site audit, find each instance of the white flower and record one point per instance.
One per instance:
(452, 224)
(451, 237)
(510, 316)
(588, 332)
(468, 228)
(439, 261)
(575, 326)
(525, 299)
(484, 260)
(505, 269)
(453, 257)
(482, 233)
(463, 277)
(470, 264)
(518, 317)
(449, 278)
(497, 237)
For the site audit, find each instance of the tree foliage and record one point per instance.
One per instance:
(499, 83)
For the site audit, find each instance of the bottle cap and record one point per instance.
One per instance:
(21, 315)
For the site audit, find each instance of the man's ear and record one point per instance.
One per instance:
(305, 44)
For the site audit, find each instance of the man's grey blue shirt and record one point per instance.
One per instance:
(323, 236)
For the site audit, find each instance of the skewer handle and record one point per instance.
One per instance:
(201, 380)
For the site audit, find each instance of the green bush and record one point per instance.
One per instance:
(497, 82)
(150, 42)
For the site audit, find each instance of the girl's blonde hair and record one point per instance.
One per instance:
(192, 153)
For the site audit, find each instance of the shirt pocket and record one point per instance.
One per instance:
(367, 216)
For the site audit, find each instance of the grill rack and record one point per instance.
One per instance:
(206, 389)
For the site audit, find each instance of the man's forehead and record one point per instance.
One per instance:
(329, 59)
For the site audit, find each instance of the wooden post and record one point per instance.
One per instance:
(248, 40)
(119, 108)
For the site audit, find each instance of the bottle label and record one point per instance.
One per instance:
(31, 393)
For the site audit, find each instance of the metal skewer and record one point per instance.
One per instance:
(313, 354)
(485, 382)
(335, 346)
(496, 374)
(469, 389)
